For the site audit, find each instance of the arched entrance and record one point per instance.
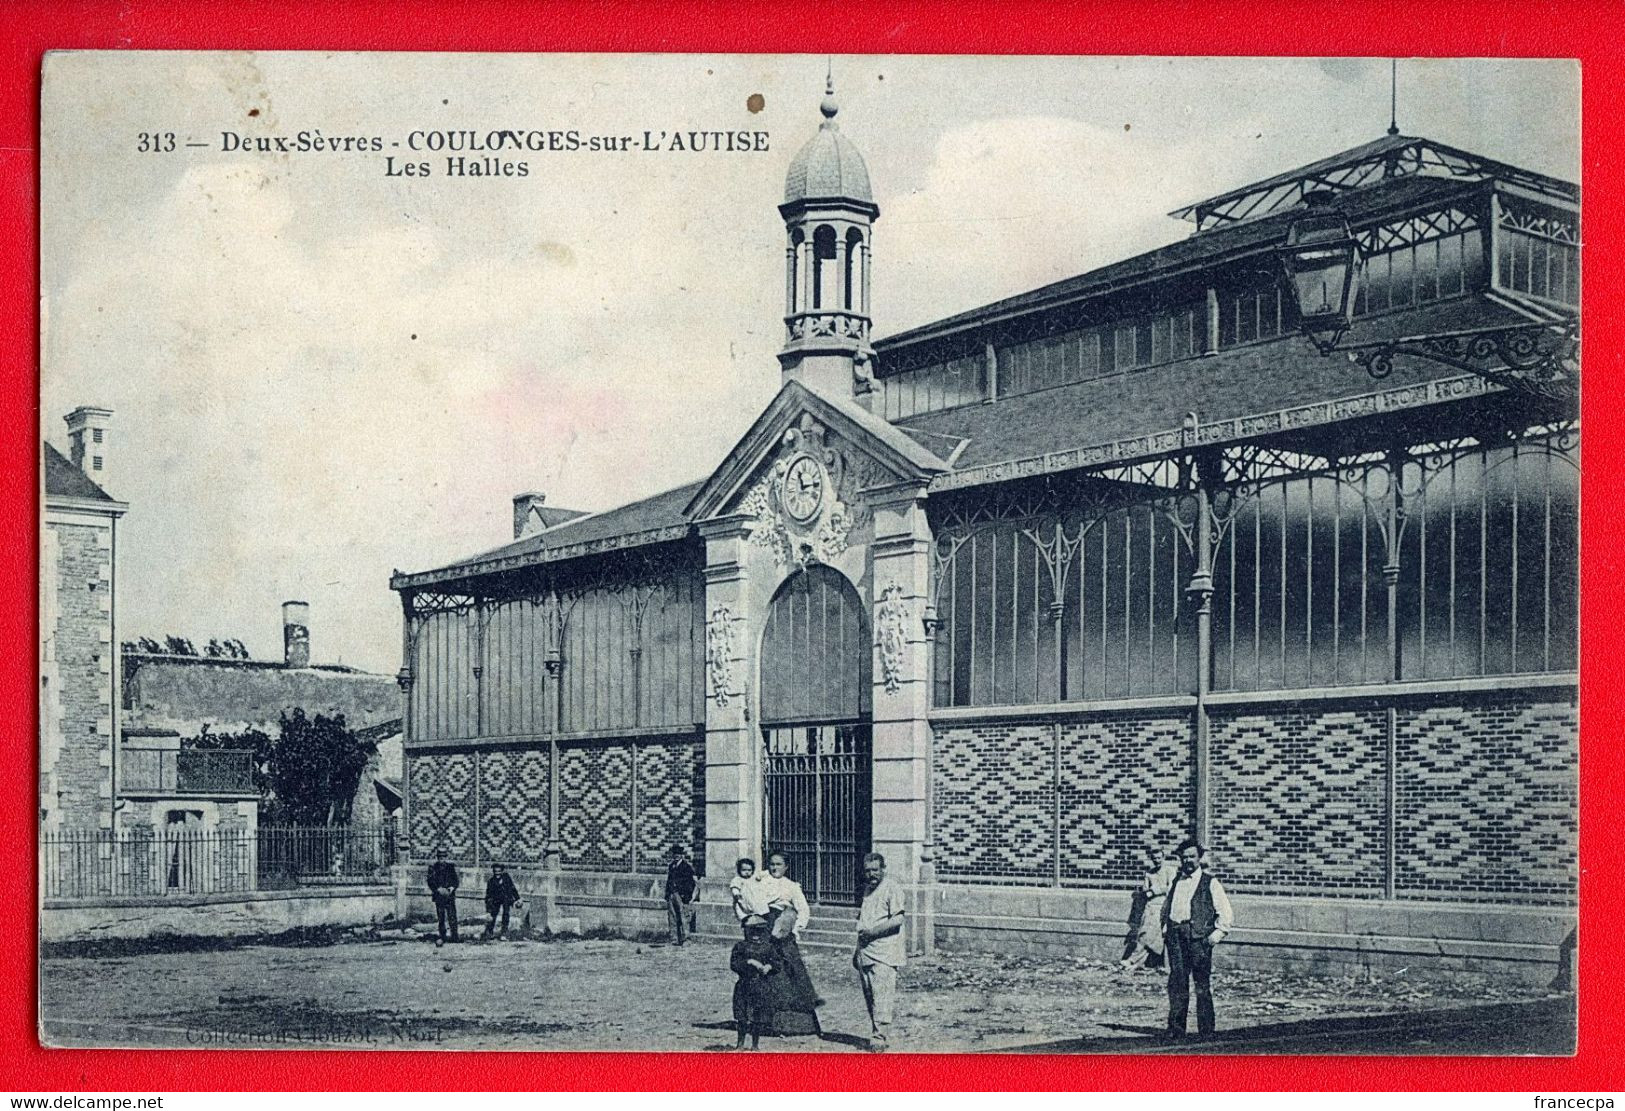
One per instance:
(815, 732)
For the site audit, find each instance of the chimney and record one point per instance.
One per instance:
(527, 514)
(87, 440)
(296, 634)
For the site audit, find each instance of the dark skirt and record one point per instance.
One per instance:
(795, 1000)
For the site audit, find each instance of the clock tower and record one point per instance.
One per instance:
(829, 214)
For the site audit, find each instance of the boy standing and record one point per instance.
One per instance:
(500, 896)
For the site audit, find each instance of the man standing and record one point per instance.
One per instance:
(680, 887)
(1195, 918)
(880, 947)
(443, 881)
(500, 896)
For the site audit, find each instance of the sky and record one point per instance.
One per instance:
(321, 372)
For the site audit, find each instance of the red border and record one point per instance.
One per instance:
(1539, 28)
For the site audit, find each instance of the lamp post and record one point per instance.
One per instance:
(1322, 260)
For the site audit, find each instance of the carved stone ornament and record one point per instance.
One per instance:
(891, 634)
(719, 653)
(806, 504)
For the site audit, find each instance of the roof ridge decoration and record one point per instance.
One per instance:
(1392, 156)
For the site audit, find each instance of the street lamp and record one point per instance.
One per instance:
(1322, 257)
(1322, 260)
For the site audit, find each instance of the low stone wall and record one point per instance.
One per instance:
(229, 915)
(625, 903)
(1303, 935)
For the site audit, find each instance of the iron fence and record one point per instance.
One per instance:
(182, 860)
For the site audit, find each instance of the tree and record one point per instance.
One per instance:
(257, 741)
(308, 773)
(314, 768)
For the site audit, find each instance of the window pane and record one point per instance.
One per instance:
(1090, 353)
(1473, 268)
(1427, 271)
(1449, 275)
(1402, 273)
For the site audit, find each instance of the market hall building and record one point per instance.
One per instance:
(1016, 596)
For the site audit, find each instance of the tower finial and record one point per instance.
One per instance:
(1393, 96)
(829, 107)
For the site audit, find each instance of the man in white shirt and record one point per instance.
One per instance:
(881, 948)
(1195, 918)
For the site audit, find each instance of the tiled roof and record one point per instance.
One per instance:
(659, 514)
(64, 480)
(1241, 381)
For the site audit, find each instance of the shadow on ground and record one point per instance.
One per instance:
(1543, 1027)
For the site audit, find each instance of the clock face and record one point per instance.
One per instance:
(803, 488)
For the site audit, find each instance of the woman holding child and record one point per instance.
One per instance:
(779, 901)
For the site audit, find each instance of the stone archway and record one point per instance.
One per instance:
(816, 737)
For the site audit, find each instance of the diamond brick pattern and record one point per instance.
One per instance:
(442, 802)
(666, 803)
(1127, 783)
(994, 791)
(1487, 802)
(1298, 800)
(513, 806)
(507, 804)
(595, 807)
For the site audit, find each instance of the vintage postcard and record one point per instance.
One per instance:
(929, 554)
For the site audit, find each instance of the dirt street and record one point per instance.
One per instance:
(397, 991)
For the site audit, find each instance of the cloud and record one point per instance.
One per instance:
(1014, 203)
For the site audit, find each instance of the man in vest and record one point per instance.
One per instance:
(1195, 918)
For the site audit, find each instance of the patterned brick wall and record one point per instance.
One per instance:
(999, 808)
(442, 803)
(993, 813)
(595, 807)
(513, 805)
(670, 794)
(1487, 801)
(1298, 800)
(1127, 783)
(506, 804)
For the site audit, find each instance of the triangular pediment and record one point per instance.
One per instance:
(851, 449)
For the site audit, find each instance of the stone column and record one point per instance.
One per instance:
(902, 700)
(732, 806)
(841, 301)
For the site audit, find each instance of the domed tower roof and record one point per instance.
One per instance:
(829, 165)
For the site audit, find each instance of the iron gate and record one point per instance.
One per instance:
(817, 792)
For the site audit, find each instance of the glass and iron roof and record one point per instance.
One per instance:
(1392, 156)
